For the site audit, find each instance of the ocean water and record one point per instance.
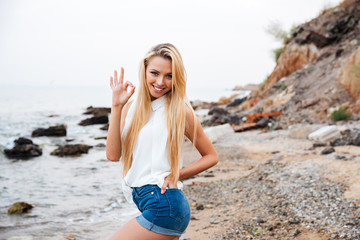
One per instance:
(77, 195)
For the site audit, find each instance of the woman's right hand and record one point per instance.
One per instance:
(119, 89)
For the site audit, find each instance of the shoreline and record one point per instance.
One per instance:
(262, 181)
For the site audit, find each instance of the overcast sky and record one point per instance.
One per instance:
(69, 42)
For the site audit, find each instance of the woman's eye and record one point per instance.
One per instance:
(169, 76)
(154, 73)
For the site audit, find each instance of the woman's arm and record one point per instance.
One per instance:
(118, 112)
(203, 144)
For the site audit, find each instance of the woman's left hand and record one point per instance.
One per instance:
(167, 184)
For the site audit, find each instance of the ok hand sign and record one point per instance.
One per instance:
(119, 89)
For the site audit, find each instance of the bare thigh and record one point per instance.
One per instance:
(134, 231)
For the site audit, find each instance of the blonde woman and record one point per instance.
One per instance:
(148, 134)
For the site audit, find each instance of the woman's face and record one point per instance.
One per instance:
(159, 76)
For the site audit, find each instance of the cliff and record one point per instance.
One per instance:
(318, 71)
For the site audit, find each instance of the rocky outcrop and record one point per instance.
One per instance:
(23, 149)
(53, 131)
(96, 111)
(71, 150)
(293, 58)
(99, 119)
(19, 208)
(350, 74)
(318, 70)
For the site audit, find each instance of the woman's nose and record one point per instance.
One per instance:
(160, 80)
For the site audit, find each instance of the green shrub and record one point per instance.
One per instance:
(283, 86)
(277, 53)
(341, 114)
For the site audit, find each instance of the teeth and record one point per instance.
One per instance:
(158, 89)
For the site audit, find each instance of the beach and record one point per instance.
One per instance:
(275, 185)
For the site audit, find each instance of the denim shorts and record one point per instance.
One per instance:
(167, 214)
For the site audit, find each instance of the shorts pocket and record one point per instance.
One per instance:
(178, 204)
(147, 200)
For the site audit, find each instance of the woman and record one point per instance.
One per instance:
(148, 134)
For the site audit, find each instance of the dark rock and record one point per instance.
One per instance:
(234, 119)
(22, 141)
(297, 232)
(294, 221)
(55, 131)
(208, 175)
(319, 144)
(327, 150)
(99, 138)
(105, 127)
(236, 102)
(259, 220)
(19, 208)
(102, 119)
(97, 111)
(200, 207)
(340, 157)
(263, 122)
(23, 149)
(71, 150)
(341, 142)
(218, 111)
(100, 145)
(356, 140)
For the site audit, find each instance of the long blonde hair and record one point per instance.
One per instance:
(175, 108)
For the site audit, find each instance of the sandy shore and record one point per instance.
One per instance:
(275, 185)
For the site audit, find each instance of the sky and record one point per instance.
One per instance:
(80, 42)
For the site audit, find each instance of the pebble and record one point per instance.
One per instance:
(327, 150)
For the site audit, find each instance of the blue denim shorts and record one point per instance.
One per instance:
(167, 214)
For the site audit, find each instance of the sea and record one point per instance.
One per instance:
(71, 195)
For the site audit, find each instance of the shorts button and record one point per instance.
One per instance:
(152, 192)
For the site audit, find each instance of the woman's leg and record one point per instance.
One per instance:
(134, 231)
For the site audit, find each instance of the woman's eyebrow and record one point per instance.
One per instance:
(154, 70)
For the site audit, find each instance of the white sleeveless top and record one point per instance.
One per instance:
(151, 160)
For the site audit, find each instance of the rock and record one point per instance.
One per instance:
(100, 145)
(263, 122)
(105, 127)
(54, 131)
(23, 149)
(218, 111)
(236, 102)
(214, 221)
(293, 58)
(71, 150)
(97, 111)
(318, 144)
(99, 138)
(297, 232)
(356, 140)
(259, 220)
(350, 74)
(327, 150)
(309, 102)
(19, 208)
(200, 207)
(101, 119)
(325, 134)
(214, 133)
